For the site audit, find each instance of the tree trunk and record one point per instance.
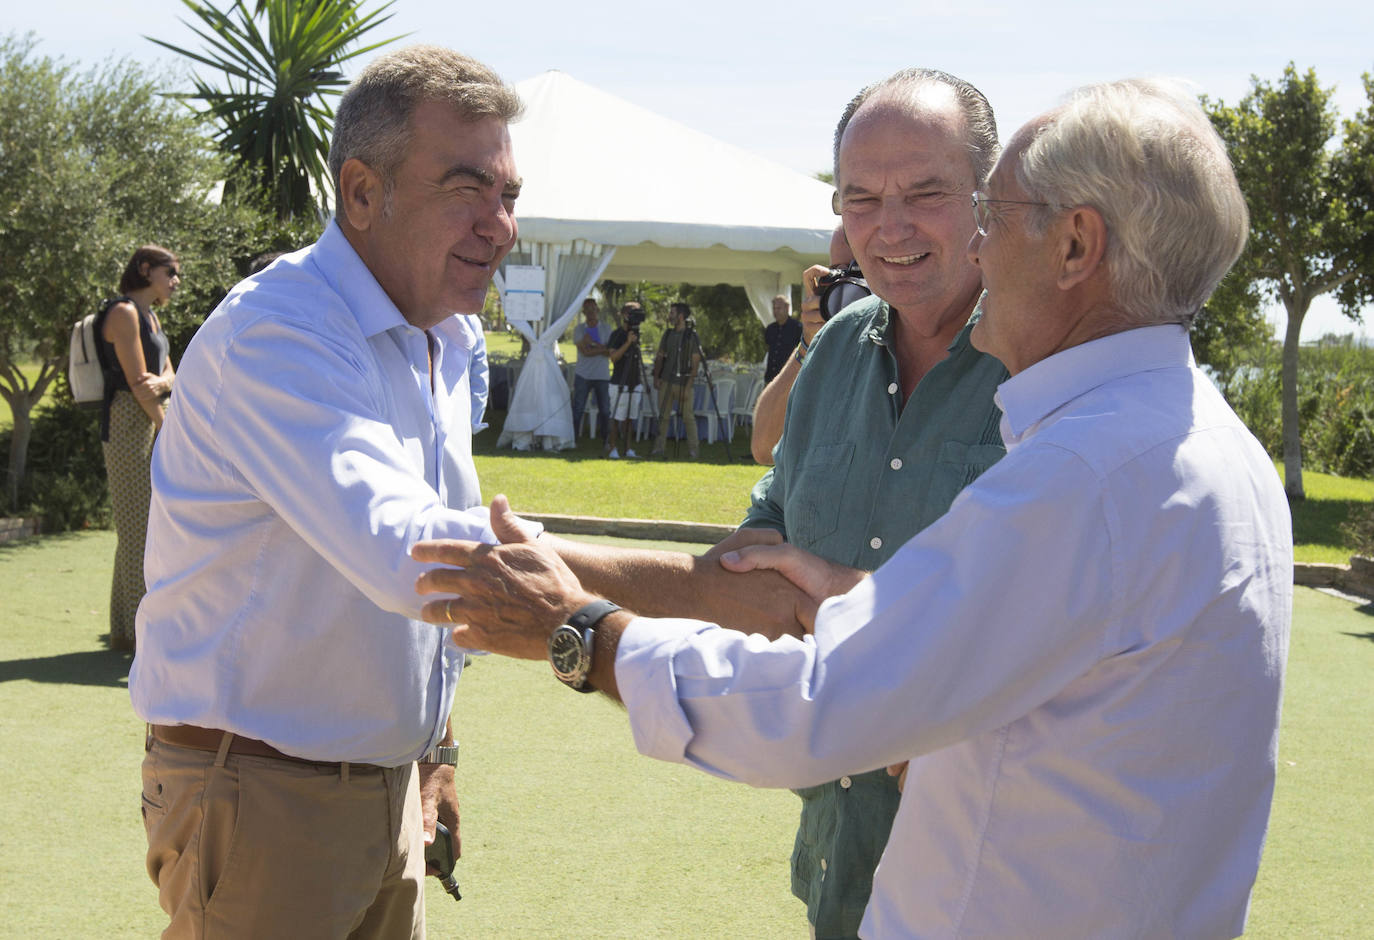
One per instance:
(1292, 432)
(22, 407)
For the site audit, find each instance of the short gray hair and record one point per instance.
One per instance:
(980, 126)
(373, 121)
(1143, 153)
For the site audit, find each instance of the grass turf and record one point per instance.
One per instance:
(567, 832)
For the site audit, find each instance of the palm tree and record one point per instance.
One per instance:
(273, 112)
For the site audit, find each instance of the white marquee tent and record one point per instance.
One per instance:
(612, 190)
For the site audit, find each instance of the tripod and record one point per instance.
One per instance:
(690, 346)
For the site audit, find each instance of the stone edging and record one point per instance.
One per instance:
(13, 528)
(651, 529)
(1355, 578)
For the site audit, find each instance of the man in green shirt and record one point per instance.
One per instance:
(892, 414)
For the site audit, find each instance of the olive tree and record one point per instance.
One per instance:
(1310, 193)
(93, 164)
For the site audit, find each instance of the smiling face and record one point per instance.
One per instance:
(1025, 314)
(904, 178)
(435, 241)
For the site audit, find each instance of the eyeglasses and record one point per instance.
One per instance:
(172, 270)
(982, 209)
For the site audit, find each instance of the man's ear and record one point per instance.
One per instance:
(1083, 244)
(360, 193)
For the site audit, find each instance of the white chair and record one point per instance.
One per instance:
(589, 414)
(720, 423)
(743, 412)
(648, 411)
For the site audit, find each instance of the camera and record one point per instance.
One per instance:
(840, 288)
(633, 318)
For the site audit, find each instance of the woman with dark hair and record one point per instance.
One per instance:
(138, 379)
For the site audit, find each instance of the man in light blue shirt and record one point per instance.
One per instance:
(592, 373)
(1083, 658)
(322, 426)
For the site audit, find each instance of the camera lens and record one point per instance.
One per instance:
(840, 293)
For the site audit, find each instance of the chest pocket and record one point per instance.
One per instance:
(817, 492)
(958, 465)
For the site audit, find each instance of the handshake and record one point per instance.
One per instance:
(508, 598)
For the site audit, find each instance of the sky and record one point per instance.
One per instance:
(773, 77)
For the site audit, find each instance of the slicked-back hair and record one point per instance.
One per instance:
(133, 277)
(373, 120)
(980, 125)
(1143, 153)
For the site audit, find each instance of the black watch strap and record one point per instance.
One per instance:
(590, 615)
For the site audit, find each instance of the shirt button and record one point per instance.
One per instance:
(846, 783)
(875, 543)
(822, 864)
(896, 463)
(892, 389)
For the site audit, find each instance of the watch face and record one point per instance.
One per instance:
(565, 652)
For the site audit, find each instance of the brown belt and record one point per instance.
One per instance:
(209, 739)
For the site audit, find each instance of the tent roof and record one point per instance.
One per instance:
(599, 168)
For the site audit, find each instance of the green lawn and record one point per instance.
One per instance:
(568, 832)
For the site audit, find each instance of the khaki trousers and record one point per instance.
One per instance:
(259, 847)
(680, 395)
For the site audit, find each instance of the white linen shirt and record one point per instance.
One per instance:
(1083, 660)
(302, 456)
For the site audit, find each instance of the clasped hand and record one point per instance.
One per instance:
(510, 597)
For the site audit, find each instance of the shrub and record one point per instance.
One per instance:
(1335, 404)
(65, 483)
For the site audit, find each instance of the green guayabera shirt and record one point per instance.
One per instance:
(855, 476)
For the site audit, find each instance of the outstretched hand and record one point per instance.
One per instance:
(816, 577)
(509, 597)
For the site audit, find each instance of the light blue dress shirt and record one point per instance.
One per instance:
(1083, 660)
(304, 453)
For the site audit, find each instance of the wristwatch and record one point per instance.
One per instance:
(442, 754)
(570, 646)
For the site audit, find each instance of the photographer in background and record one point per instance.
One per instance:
(772, 404)
(627, 378)
(781, 337)
(675, 368)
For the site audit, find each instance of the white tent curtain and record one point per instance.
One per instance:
(540, 414)
(762, 287)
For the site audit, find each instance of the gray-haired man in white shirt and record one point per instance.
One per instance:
(1083, 659)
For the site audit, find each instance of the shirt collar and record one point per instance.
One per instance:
(880, 331)
(365, 298)
(1030, 396)
(350, 277)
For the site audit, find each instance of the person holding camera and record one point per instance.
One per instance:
(891, 416)
(771, 407)
(627, 378)
(675, 369)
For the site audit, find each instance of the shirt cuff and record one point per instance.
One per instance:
(648, 687)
